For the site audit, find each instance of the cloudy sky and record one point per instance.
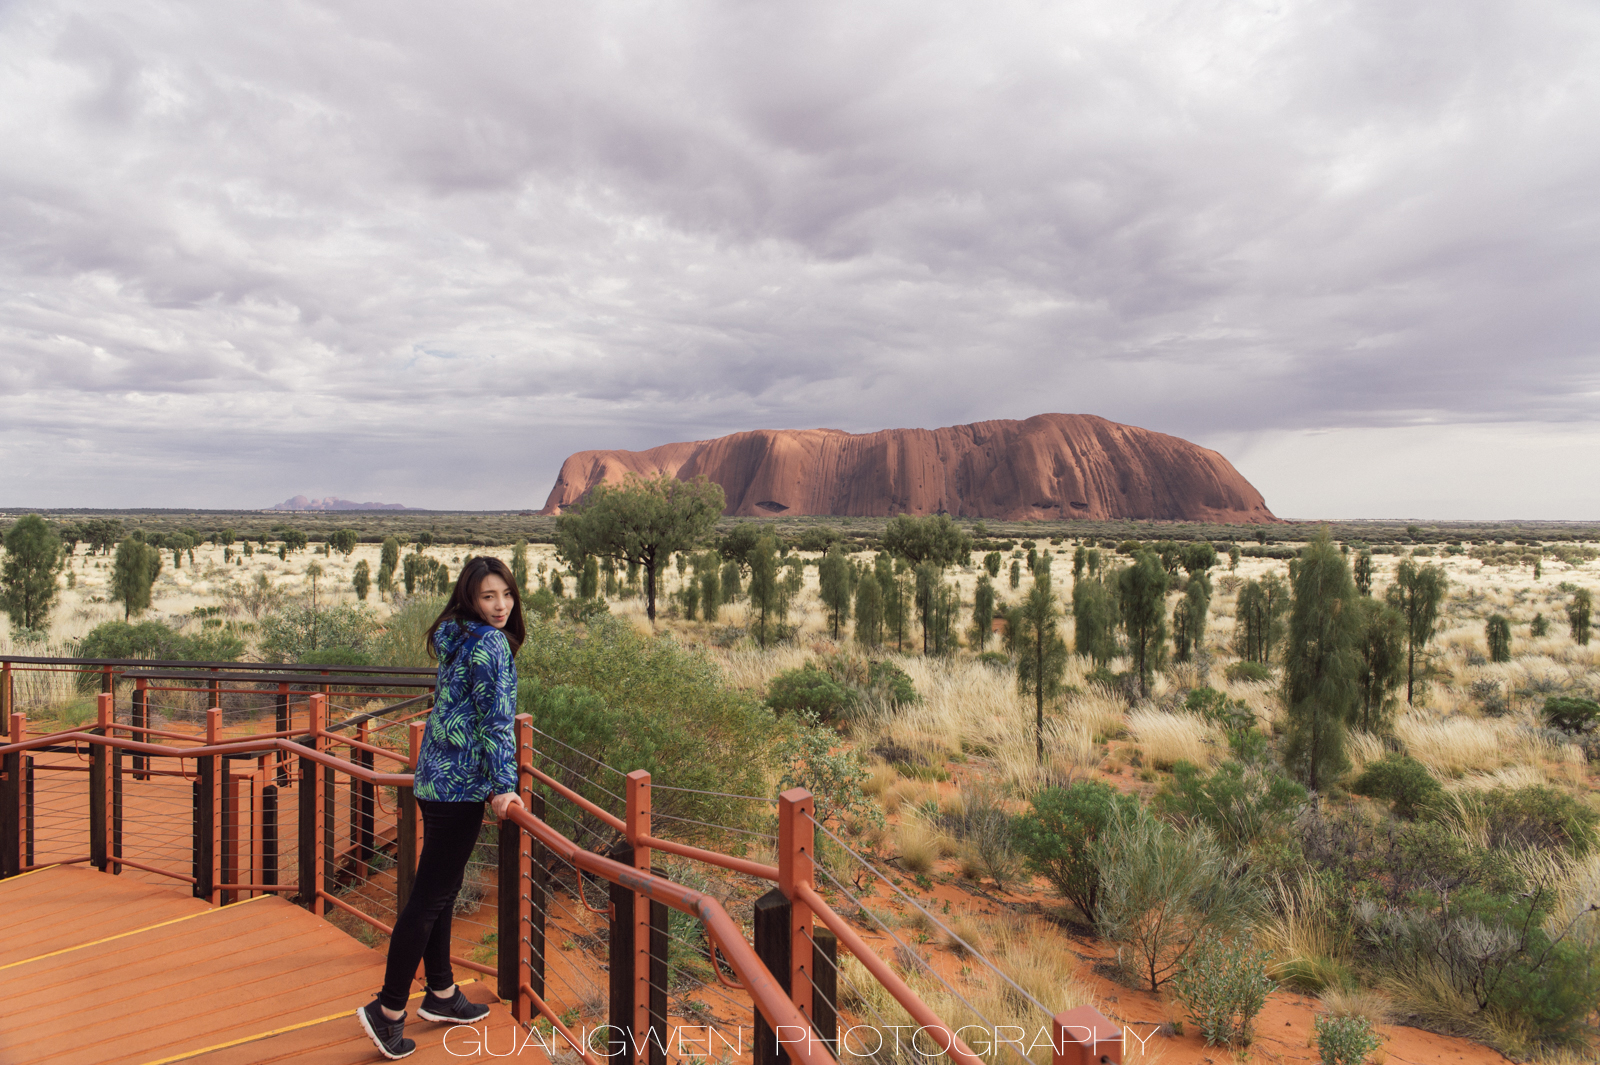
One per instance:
(419, 253)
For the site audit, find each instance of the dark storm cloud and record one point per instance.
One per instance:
(251, 249)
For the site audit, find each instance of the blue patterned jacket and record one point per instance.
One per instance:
(469, 749)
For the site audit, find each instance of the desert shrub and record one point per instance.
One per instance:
(1345, 1040)
(1490, 697)
(985, 829)
(1403, 781)
(1538, 816)
(809, 688)
(1247, 671)
(1571, 714)
(995, 659)
(1218, 709)
(810, 758)
(543, 603)
(642, 702)
(1497, 633)
(1058, 833)
(298, 630)
(1224, 984)
(1161, 888)
(336, 656)
(152, 639)
(1240, 804)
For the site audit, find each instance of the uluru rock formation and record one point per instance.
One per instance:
(1052, 466)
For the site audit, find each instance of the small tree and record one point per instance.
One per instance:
(992, 562)
(1094, 620)
(1189, 617)
(133, 572)
(519, 565)
(1321, 663)
(34, 555)
(1579, 612)
(588, 577)
(833, 579)
(896, 597)
(934, 538)
(710, 580)
(1042, 660)
(1142, 589)
(1497, 634)
(1382, 662)
(1417, 593)
(982, 613)
(293, 540)
(361, 580)
(343, 541)
(1260, 608)
(1080, 557)
(1363, 573)
(1016, 574)
(766, 591)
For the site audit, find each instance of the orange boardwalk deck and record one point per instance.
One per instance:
(98, 969)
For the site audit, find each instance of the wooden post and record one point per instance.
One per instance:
(116, 809)
(405, 846)
(368, 793)
(99, 825)
(508, 893)
(269, 833)
(232, 843)
(5, 691)
(258, 781)
(825, 990)
(771, 931)
(280, 723)
(796, 846)
(140, 717)
(310, 816)
(11, 793)
(648, 1018)
(1083, 1036)
(315, 857)
(538, 892)
(523, 1007)
(214, 802)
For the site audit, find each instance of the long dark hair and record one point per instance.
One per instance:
(463, 604)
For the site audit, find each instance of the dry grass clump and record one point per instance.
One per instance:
(1170, 738)
(914, 793)
(1357, 1002)
(1461, 745)
(1098, 711)
(1306, 949)
(752, 669)
(1363, 747)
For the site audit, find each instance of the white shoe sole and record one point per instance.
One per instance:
(425, 1014)
(366, 1026)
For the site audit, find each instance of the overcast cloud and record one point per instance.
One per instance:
(421, 252)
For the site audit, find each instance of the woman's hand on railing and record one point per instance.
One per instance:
(501, 803)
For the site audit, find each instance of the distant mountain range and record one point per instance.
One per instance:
(332, 503)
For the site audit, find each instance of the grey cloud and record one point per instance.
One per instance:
(572, 226)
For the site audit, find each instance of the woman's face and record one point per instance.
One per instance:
(494, 600)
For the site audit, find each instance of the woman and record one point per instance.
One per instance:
(468, 755)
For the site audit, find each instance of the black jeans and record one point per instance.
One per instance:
(422, 931)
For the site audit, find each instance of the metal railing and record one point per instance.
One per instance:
(223, 802)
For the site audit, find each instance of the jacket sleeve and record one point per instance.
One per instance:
(494, 695)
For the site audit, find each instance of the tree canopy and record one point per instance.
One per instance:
(641, 521)
(34, 555)
(934, 538)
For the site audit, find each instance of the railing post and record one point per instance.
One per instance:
(116, 809)
(509, 909)
(649, 1022)
(538, 878)
(405, 846)
(5, 691)
(258, 781)
(796, 847)
(11, 791)
(367, 811)
(1083, 1036)
(771, 933)
(140, 718)
(322, 829)
(280, 723)
(98, 825)
(269, 833)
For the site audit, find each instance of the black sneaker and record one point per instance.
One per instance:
(388, 1035)
(456, 1009)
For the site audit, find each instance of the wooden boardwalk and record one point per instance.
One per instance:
(98, 969)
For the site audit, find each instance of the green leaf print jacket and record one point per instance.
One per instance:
(469, 749)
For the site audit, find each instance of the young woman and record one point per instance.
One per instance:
(468, 755)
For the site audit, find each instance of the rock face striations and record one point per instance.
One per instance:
(1053, 466)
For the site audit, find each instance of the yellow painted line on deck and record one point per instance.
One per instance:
(134, 932)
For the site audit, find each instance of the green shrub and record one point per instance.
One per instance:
(543, 603)
(812, 689)
(1224, 984)
(1057, 835)
(1160, 889)
(1402, 780)
(1571, 713)
(1239, 804)
(297, 630)
(1248, 671)
(1219, 709)
(983, 825)
(995, 659)
(152, 639)
(1345, 1040)
(1535, 817)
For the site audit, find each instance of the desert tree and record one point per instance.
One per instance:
(1497, 634)
(34, 556)
(1080, 557)
(1363, 572)
(833, 585)
(558, 587)
(133, 572)
(689, 597)
(588, 572)
(344, 541)
(739, 544)
(1321, 663)
(1233, 557)
(361, 580)
(388, 561)
(982, 612)
(1579, 613)
(1094, 620)
(519, 565)
(1041, 652)
(1190, 615)
(934, 538)
(937, 604)
(992, 562)
(641, 521)
(1259, 614)
(294, 540)
(767, 594)
(1142, 595)
(1417, 593)
(869, 611)
(1016, 574)
(1198, 557)
(709, 578)
(1382, 662)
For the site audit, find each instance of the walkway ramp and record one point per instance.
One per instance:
(105, 970)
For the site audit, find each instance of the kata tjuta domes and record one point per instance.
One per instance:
(1053, 466)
